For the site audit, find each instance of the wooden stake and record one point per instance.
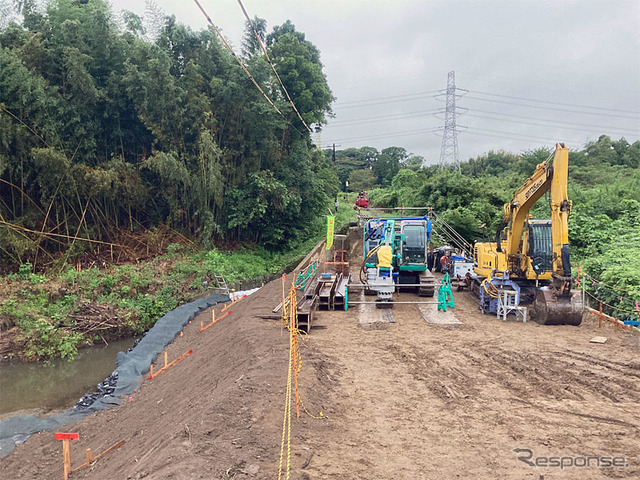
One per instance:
(66, 458)
(113, 447)
(165, 359)
(151, 372)
(228, 312)
(91, 459)
(66, 452)
(600, 317)
(166, 367)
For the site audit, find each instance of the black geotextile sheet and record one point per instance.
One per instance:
(128, 376)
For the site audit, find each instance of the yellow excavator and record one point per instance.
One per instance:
(532, 256)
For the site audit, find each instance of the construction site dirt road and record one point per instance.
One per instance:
(401, 398)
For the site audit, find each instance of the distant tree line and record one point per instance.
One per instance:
(604, 186)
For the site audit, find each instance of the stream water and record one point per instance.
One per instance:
(59, 385)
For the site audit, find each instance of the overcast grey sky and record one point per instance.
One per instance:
(578, 62)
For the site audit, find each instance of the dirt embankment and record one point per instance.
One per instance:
(403, 400)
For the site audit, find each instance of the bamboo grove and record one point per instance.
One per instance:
(103, 131)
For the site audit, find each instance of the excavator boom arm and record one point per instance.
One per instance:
(552, 176)
(560, 209)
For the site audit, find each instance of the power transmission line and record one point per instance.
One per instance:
(525, 139)
(468, 130)
(264, 50)
(385, 135)
(387, 99)
(414, 96)
(541, 124)
(502, 114)
(399, 116)
(471, 97)
(502, 134)
(555, 103)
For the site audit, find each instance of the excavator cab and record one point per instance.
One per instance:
(540, 251)
(414, 244)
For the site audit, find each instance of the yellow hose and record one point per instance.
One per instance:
(364, 263)
(491, 290)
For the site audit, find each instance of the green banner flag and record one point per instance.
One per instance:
(330, 222)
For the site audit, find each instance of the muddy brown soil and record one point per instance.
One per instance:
(403, 400)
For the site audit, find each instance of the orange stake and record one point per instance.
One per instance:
(181, 357)
(283, 305)
(215, 321)
(66, 452)
(91, 459)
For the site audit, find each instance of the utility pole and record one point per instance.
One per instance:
(449, 149)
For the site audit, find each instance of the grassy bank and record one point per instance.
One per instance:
(48, 316)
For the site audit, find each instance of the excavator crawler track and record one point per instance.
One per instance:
(427, 284)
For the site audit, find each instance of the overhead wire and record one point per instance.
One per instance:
(568, 126)
(470, 130)
(388, 99)
(514, 136)
(511, 115)
(233, 54)
(555, 103)
(471, 97)
(548, 105)
(264, 50)
(385, 135)
(398, 116)
(413, 96)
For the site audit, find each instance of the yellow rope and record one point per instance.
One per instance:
(286, 422)
(290, 318)
(618, 309)
(594, 280)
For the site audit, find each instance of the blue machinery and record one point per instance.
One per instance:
(491, 288)
(394, 252)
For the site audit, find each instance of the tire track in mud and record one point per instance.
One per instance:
(445, 381)
(627, 368)
(544, 375)
(459, 373)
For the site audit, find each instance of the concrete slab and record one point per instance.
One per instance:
(598, 340)
(433, 316)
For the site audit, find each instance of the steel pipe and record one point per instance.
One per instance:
(392, 303)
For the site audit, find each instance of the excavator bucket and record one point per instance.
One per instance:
(549, 309)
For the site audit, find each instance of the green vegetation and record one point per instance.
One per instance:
(55, 314)
(103, 132)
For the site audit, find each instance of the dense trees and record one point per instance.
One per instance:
(101, 129)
